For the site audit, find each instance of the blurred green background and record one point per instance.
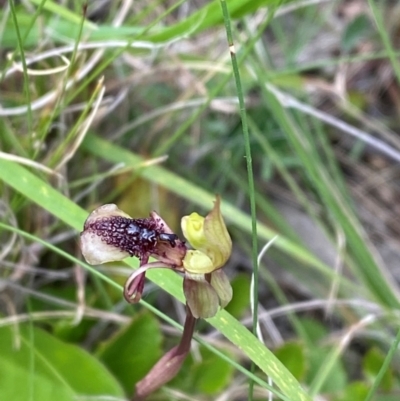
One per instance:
(135, 103)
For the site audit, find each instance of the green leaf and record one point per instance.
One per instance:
(208, 374)
(372, 364)
(354, 391)
(241, 296)
(292, 356)
(213, 374)
(314, 330)
(134, 350)
(46, 369)
(355, 31)
(317, 358)
(63, 328)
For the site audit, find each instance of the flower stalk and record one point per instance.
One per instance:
(169, 365)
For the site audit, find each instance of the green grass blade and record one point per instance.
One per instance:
(390, 355)
(27, 92)
(380, 23)
(250, 176)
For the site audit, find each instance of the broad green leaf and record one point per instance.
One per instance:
(213, 374)
(292, 355)
(355, 31)
(241, 296)
(372, 363)
(318, 357)
(206, 373)
(132, 352)
(63, 328)
(354, 392)
(314, 330)
(37, 366)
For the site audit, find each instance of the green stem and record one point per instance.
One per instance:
(250, 177)
(24, 71)
(390, 355)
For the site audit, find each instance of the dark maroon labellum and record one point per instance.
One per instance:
(138, 237)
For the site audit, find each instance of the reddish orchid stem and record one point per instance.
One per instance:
(169, 365)
(188, 330)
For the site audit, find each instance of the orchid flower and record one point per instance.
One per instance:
(111, 235)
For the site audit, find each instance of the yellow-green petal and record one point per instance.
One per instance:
(208, 235)
(221, 284)
(192, 228)
(219, 243)
(197, 262)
